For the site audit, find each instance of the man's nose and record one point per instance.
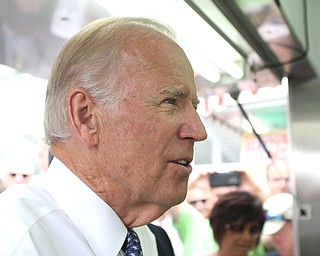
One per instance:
(193, 127)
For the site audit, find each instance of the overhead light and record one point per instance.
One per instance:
(208, 51)
(200, 63)
(285, 82)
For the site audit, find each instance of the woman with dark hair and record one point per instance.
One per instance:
(237, 220)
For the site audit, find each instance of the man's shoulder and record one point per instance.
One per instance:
(32, 223)
(22, 192)
(26, 203)
(22, 206)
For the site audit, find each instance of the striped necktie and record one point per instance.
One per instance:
(132, 246)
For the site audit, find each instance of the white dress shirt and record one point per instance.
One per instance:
(60, 215)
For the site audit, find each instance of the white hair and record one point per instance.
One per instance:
(90, 60)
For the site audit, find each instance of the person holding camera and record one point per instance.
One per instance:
(206, 187)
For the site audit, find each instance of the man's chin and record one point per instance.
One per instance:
(179, 199)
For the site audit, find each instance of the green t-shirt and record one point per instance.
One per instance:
(258, 251)
(195, 232)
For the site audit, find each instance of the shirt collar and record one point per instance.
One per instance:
(97, 221)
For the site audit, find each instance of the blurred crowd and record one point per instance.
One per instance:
(195, 229)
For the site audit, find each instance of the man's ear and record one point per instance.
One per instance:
(82, 116)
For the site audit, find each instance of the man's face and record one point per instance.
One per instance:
(199, 195)
(201, 200)
(278, 180)
(17, 176)
(149, 140)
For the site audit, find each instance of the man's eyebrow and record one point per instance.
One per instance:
(175, 92)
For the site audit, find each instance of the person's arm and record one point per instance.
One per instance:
(248, 183)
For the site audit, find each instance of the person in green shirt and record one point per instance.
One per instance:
(194, 231)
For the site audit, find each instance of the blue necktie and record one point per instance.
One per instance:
(131, 246)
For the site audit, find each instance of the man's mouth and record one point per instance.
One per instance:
(183, 162)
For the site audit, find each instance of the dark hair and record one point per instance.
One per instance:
(236, 206)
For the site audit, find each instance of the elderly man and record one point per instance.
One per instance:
(121, 122)
(278, 177)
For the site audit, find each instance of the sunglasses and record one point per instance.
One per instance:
(23, 175)
(254, 230)
(203, 201)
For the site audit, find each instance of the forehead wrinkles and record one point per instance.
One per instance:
(144, 55)
(153, 52)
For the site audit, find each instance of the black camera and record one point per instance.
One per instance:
(223, 179)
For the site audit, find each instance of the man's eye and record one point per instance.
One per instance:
(170, 101)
